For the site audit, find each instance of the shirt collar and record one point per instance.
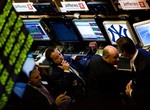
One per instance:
(133, 58)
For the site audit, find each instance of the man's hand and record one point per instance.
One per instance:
(61, 99)
(64, 65)
(129, 88)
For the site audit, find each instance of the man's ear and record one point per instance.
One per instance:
(106, 58)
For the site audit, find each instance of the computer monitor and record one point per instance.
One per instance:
(142, 30)
(63, 30)
(117, 29)
(101, 6)
(29, 64)
(89, 30)
(37, 29)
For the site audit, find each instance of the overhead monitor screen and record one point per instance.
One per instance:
(117, 29)
(89, 30)
(37, 29)
(143, 32)
(100, 6)
(64, 31)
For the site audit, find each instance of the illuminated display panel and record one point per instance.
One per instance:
(29, 64)
(14, 45)
(64, 31)
(117, 29)
(37, 29)
(89, 30)
(143, 32)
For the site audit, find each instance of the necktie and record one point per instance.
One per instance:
(82, 82)
(76, 73)
(46, 93)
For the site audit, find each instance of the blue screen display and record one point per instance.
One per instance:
(64, 31)
(36, 29)
(143, 31)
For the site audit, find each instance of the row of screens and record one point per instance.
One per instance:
(89, 30)
(64, 31)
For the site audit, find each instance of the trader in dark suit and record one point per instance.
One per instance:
(65, 76)
(103, 88)
(36, 95)
(139, 86)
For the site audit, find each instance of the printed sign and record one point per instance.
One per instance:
(133, 4)
(75, 6)
(24, 7)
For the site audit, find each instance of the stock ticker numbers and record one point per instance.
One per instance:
(15, 43)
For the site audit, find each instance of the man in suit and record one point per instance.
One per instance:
(36, 95)
(103, 88)
(65, 76)
(139, 86)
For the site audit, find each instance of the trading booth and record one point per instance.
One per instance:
(28, 27)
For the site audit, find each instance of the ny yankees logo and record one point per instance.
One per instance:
(121, 32)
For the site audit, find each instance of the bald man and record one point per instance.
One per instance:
(103, 88)
(110, 55)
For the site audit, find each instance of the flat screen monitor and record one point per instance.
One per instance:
(37, 29)
(143, 32)
(89, 30)
(100, 6)
(117, 29)
(63, 30)
(28, 65)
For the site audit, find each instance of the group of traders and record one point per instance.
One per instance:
(96, 87)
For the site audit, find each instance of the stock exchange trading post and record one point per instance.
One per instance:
(15, 43)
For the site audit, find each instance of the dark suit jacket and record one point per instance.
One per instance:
(34, 100)
(102, 76)
(141, 91)
(61, 81)
(103, 89)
